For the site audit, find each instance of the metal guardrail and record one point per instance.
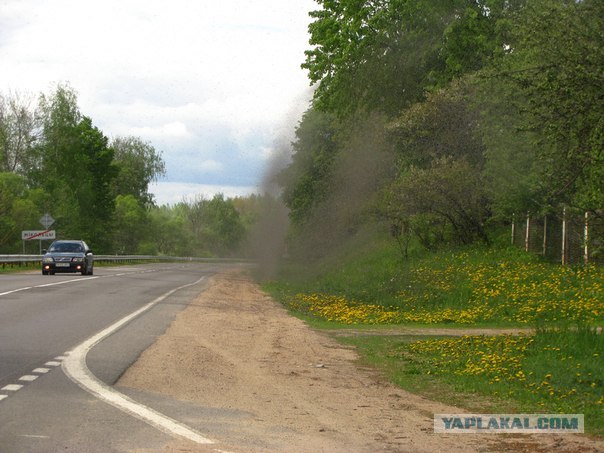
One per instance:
(18, 260)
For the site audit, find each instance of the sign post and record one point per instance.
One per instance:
(46, 220)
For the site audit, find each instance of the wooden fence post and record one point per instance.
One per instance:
(586, 240)
(513, 227)
(527, 235)
(545, 235)
(564, 257)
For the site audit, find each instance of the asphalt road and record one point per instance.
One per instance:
(42, 320)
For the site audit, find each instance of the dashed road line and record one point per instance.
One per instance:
(28, 378)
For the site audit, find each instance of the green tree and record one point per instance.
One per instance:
(93, 194)
(480, 32)
(559, 71)
(439, 194)
(374, 54)
(139, 165)
(76, 169)
(194, 213)
(384, 54)
(130, 224)
(445, 124)
(167, 233)
(307, 179)
(18, 133)
(450, 192)
(19, 210)
(513, 173)
(223, 229)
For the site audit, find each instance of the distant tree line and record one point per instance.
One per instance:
(444, 117)
(54, 160)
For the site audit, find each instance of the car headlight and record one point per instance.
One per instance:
(77, 259)
(48, 259)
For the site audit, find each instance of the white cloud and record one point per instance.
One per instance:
(212, 81)
(174, 129)
(170, 193)
(211, 166)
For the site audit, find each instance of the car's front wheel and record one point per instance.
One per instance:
(86, 271)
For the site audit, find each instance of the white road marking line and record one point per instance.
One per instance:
(41, 370)
(75, 368)
(3, 396)
(15, 291)
(61, 357)
(34, 436)
(12, 387)
(65, 282)
(52, 363)
(28, 378)
(70, 281)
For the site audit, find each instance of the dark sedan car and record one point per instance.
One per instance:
(68, 256)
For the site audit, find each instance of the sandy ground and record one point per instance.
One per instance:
(276, 385)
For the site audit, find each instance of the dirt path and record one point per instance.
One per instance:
(423, 331)
(273, 384)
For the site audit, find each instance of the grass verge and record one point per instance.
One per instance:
(476, 286)
(12, 269)
(557, 370)
(553, 371)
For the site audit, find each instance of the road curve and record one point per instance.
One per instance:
(46, 319)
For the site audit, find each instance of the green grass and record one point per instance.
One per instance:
(554, 371)
(472, 286)
(11, 269)
(369, 286)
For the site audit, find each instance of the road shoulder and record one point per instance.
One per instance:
(262, 380)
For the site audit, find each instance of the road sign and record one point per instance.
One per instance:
(46, 220)
(39, 235)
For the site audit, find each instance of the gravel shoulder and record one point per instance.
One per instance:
(274, 384)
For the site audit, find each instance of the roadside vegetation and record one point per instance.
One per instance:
(10, 269)
(553, 371)
(436, 126)
(554, 367)
(475, 285)
(54, 160)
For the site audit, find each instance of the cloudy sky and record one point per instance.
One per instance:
(212, 85)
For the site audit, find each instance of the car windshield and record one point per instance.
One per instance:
(66, 247)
